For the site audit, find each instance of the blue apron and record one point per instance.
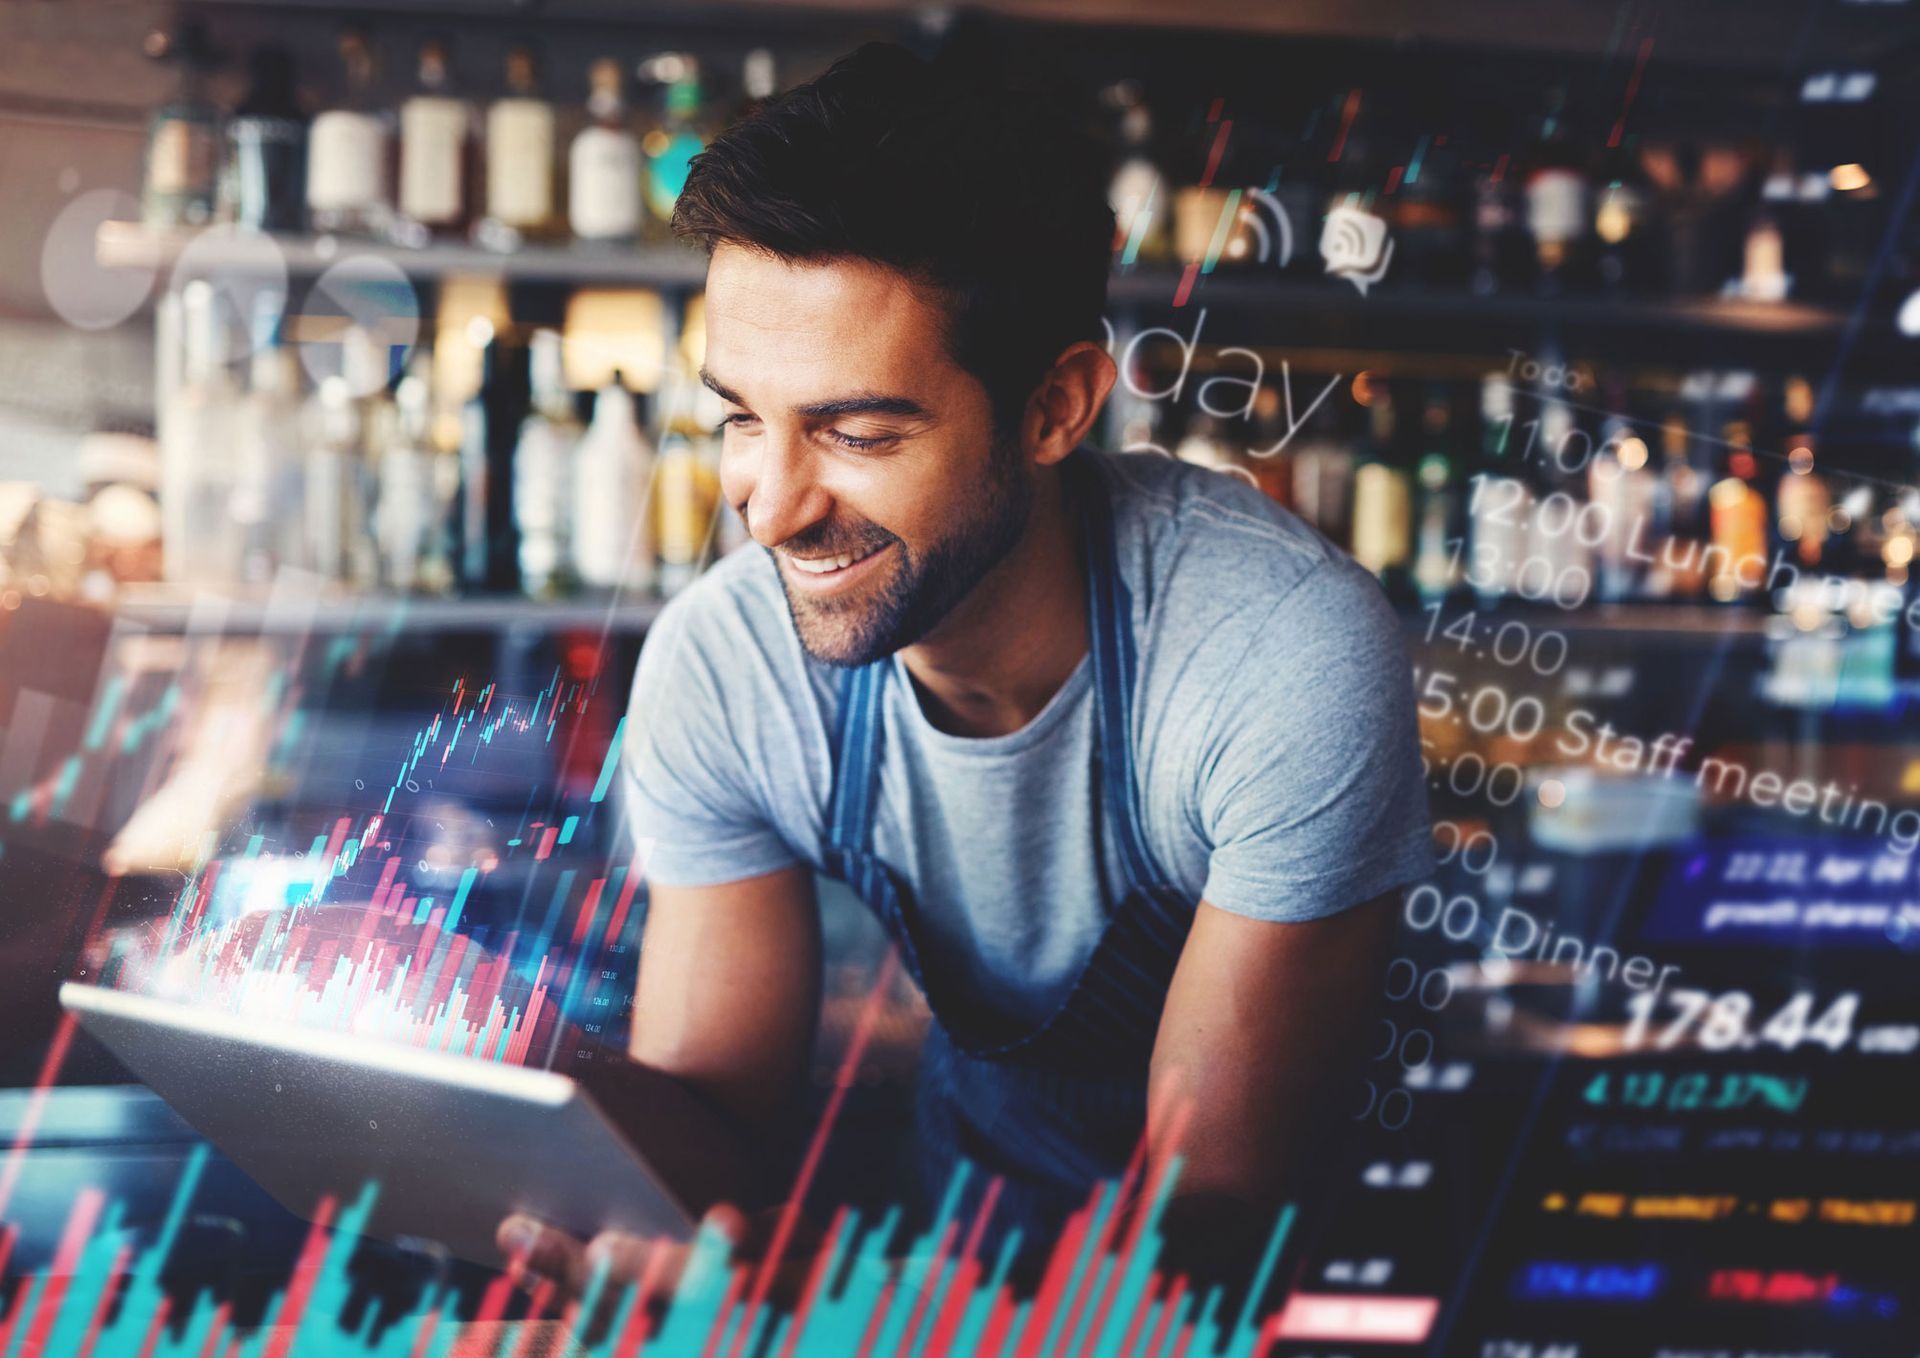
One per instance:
(1053, 1107)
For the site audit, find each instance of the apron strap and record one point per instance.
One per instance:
(1110, 627)
(1111, 1012)
(856, 764)
(856, 769)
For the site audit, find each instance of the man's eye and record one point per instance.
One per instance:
(738, 418)
(855, 441)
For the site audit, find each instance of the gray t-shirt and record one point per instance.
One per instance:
(1273, 730)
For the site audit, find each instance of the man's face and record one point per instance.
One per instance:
(857, 451)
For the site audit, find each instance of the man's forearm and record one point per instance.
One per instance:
(704, 1154)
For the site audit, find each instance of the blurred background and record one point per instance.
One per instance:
(349, 443)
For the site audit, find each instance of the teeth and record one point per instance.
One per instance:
(824, 564)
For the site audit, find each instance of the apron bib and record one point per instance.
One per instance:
(1047, 1108)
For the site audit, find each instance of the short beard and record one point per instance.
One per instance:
(923, 589)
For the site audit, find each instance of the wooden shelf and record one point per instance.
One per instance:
(1277, 311)
(129, 245)
(1301, 312)
(165, 610)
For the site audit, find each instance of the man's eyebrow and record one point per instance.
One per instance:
(863, 404)
(714, 385)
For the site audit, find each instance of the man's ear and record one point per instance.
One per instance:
(1067, 401)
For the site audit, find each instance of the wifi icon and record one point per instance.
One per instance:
(1263, 218)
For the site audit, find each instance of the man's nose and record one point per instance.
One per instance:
(780, 489)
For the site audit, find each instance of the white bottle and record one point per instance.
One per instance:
(542, 471)
(198, 541)
(367, 365)
(603, 165)
(410, 517)
(348, 153)
(436, 130)
(269, 472)
(612, 484)
(519, 157)
(332, 480)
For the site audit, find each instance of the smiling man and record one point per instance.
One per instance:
(1120, 753)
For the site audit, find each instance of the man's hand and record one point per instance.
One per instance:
(658, 1264)
(570, 1262)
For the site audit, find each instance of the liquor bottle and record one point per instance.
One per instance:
(1763, 276)
(1439, 519)
(1428, 219)
(488, 549)
(520, 168)
(269, 476)
(1622, 488)
(542, 470)
(1558, 566)
(1677, 515)
(613, 483)
(183, 136)
(1803, 503)
(758, 83)
(264, 186)
(687, 494)
(604, 166)
(1141, 200)
(1499, 502)
(1558, 212)
(1269, 455)
(198, 543)
(1737, 514)
(348, 154)
(1323, 476)
(671, 147)
(1796, 204)
(436, 144)
(411, 512)
(368, 365)
(1383, 495)
(1503, 258)
(1629, 256)
(350, 424)
(331, 491)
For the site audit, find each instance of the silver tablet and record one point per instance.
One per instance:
(454, 1143)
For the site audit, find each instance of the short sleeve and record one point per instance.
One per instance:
(684, 776)
(1312, 797)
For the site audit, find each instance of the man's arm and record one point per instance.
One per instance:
(726, 1005)
(730, 989)
(1259, 1035)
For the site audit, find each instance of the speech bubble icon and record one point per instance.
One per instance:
(1356, 247)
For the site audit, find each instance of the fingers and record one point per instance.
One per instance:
(625, 1257)
(658, 1264)
(546, 1251)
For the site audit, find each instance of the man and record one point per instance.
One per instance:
(1121, 754)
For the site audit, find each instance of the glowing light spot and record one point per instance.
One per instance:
(1849, 177)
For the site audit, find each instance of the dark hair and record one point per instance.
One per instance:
(994, 196)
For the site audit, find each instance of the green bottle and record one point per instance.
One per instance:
(670, 147)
